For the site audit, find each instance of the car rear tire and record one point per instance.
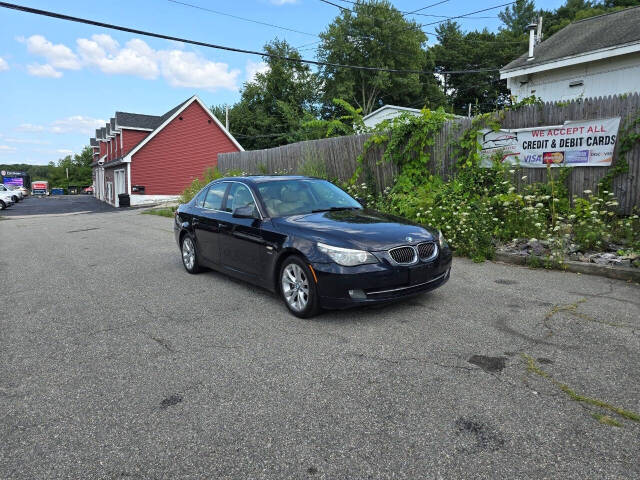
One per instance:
(297, 288)
(190, 255)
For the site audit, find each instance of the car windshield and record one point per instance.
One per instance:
(301, 196)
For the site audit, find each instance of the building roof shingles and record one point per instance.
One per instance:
(583, 36)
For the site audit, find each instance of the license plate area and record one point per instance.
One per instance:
(420, 274)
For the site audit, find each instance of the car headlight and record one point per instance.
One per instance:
(441, 241)
(346, 256)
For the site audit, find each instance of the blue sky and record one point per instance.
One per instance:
(59, 80)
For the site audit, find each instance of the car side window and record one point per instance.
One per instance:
(200, 197)
(239, 196)
(215, 195)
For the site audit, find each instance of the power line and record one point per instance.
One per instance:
(428, 6)
(467, 14)
(242, 18)
(61, 16)
(445, 17)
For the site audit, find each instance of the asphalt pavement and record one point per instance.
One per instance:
(116, 363)
(56, 205)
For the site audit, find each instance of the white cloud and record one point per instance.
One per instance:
(3, 65)
(7, 149)
(43, 70)
(137, 58)
(255, 67)
(188, 69)
(29, 127)
(76, 124)
(64, 151)
(59, 56)
(73, 124)
(178, 67)
(26, 141)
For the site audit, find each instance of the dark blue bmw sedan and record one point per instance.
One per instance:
(309, 241)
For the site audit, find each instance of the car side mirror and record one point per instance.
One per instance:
(248, 211)
(360, 200)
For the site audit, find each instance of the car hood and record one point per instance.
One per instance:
(362, 229)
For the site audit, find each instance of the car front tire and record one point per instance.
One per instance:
(297, 288)
(189, 255)
(2, 205)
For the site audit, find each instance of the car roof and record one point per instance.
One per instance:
(256, 179)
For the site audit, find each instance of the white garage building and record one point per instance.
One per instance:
(594, 57)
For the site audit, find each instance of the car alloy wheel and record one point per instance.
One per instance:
(298, 288)
(189, 255)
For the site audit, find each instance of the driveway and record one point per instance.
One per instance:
(57, 205)
(115, 363)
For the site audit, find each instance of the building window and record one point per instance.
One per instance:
(576, 83)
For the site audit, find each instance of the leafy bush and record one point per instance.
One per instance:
(198, 184)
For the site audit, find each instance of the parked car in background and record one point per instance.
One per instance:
(24, 190)
(310, 242)
(5, 200)
(16, 195)
(88, 190)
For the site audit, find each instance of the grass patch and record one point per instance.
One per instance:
(573, 395)
(606, 419)
(161, 212)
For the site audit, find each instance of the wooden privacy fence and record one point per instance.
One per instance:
(339, 155)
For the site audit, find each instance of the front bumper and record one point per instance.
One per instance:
(344, 287)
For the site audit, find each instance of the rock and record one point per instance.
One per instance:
(536, 248)
(625, 263)
(573, 248)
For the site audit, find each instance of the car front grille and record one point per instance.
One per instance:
(426, 250)
(403, 254)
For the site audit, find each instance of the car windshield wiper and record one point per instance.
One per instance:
(334, 209)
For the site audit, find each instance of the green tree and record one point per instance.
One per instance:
(273, 106)
(477, 50)
(78, 166)
(516, 17)
(375, 34)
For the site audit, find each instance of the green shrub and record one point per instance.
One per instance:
(210, 174)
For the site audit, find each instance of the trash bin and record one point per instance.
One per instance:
(124, 200)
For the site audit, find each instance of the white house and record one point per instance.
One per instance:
(385, 113)
(593, 57)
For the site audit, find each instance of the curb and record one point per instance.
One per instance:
(617, 273)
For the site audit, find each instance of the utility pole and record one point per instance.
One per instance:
(226, 112)
(67, 169)
(469, 114)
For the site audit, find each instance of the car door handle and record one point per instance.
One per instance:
(194, 221)
(224, 226)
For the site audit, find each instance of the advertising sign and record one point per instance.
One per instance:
(13, 181)
(574, 144)
(39, 185)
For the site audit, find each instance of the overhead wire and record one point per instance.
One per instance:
(198, 7)
(60, 16)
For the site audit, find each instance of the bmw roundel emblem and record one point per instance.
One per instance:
(409, 239)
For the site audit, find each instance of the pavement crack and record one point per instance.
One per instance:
(572, 310)
(162, 342)
(398, 361)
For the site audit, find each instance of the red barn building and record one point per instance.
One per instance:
(154, 158)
